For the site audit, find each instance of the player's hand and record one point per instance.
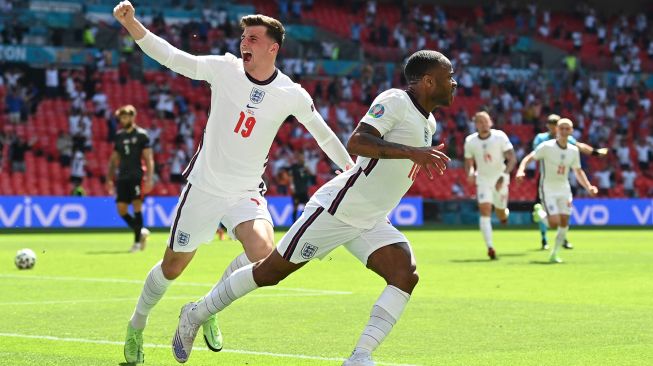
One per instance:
(147, 185)
(520, 176)
(347, 167)
(603, 152)
(109, 186)
(431, 159)
(499, 183)
(124, 12)
(593, 191)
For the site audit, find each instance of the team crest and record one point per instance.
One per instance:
(308, 251)
(562, 156)
(183, 238)
(257, 95)
(376, 111)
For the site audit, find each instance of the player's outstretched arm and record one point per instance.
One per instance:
(366, 141)
(328, 141)
(589, 150)
(582, 179)
(156, 47)
(522, 165)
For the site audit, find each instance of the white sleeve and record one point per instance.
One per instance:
(507, 145)
(576, 162)
(194, 67)
(540, 152)
(307, 115)
(385, 112)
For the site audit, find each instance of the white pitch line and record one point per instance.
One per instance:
(140, 282)
(238, 351)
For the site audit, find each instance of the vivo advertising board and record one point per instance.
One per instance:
(100, 212)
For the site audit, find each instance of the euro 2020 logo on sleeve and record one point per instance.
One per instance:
(256, 95)
(308, 251)
(376, 111)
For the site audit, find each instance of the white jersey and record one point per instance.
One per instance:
(365, 194)
(245, 117)
(555, 165)
(488, 154)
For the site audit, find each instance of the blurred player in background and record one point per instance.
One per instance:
(486, 154)
(557, 157)
(551, 124)
(250, 99)
(393, 143)
(131, 145)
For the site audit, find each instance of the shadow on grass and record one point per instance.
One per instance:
(486, 260)
(103, 252)
(544, 262)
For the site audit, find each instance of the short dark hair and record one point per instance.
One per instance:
(274, 27)
(420, 62)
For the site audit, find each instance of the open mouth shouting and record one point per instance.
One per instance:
(247, 56)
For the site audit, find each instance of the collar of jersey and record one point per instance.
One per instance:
(264, 82)
(419, 107)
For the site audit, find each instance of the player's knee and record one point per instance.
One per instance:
(171, 270)
(405, 280)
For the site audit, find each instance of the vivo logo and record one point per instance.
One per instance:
(153, 211)
(28, 214)
(591, 214)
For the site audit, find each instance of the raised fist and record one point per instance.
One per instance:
(124, 12)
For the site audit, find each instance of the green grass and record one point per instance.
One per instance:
(594, 309)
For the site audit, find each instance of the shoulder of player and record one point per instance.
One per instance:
(471, 138)
(141, 131)
(498, 133)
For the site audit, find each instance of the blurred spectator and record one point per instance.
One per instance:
(622, 151)
(154, 133)
(643, 153)
(457, 189)
(628, 175)
(14, 105)
(302, 179)
(51, 81)
(100, 103)
(178, 162)
(283, 182)
(604, 179)
(78, 168)
(65, 148)
(165, 106)
(17, 150)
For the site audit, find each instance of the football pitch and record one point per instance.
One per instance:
(594, 309)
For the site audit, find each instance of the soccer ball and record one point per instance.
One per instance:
(25, 259)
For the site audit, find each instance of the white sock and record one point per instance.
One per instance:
(239, 284)
(560, 239)
(385, 313)
(155, 286)
(486, 229)
(238, 262)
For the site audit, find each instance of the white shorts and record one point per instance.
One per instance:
(487, 193)
(557, 203)
(316, 233)
(199, 213)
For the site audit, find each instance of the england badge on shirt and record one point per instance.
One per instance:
(257, 95)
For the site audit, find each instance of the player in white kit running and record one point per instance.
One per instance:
(250, 99)
(557, 157)
(489, 159)
(393, 143)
